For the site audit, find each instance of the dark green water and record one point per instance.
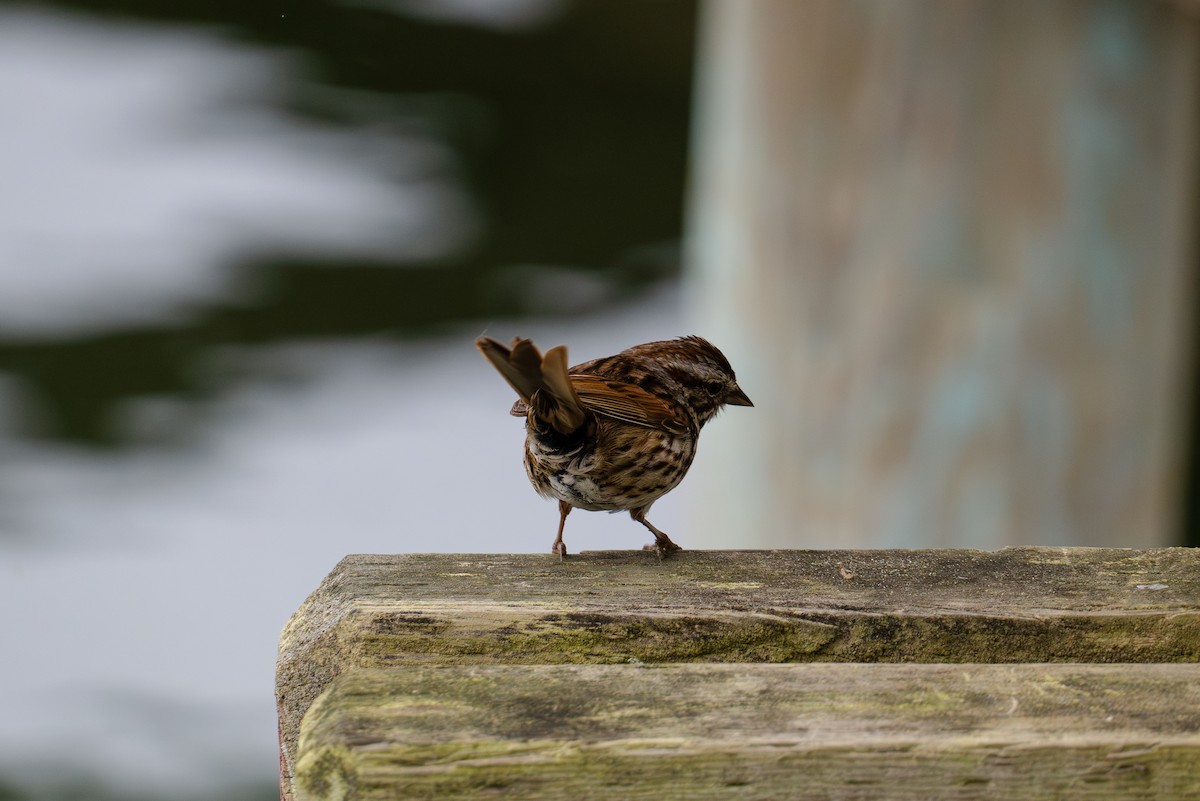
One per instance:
(569, 137)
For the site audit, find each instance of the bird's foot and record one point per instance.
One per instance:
(559, 547)
(662, 548)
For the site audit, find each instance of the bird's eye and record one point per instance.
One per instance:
(714, 387)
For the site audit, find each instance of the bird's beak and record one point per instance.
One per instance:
(738, 398)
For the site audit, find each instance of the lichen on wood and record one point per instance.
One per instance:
(1019, 605)
(755, 732)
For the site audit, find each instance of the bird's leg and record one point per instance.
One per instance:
(662, 543)
(559, 546)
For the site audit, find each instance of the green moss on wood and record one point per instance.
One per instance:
(329, 773)
(910, 773)
(591, 637)
(759, 731)
(1014, 605)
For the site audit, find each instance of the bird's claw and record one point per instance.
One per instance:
(662, 549)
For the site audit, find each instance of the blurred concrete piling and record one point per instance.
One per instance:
(921, 675)
(949, 246)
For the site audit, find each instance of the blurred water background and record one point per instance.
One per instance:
(244, 252)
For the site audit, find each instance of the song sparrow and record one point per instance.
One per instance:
(614, 433)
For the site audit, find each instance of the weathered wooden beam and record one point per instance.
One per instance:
(921, 732)
(1013, 605)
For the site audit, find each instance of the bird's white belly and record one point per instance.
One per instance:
(583, 492)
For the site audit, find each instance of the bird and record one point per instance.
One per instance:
(616, 433)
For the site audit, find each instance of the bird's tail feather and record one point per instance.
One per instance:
(541, 381)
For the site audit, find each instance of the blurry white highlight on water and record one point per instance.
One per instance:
(141, 164)
(501, 14)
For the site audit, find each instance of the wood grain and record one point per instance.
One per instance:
(1008, 606)
(920, 732)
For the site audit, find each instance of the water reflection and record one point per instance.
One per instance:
(364, 174)
(502, 14)
(144, 164)
(241, 267)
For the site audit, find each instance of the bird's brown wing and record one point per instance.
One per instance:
(628, 403)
